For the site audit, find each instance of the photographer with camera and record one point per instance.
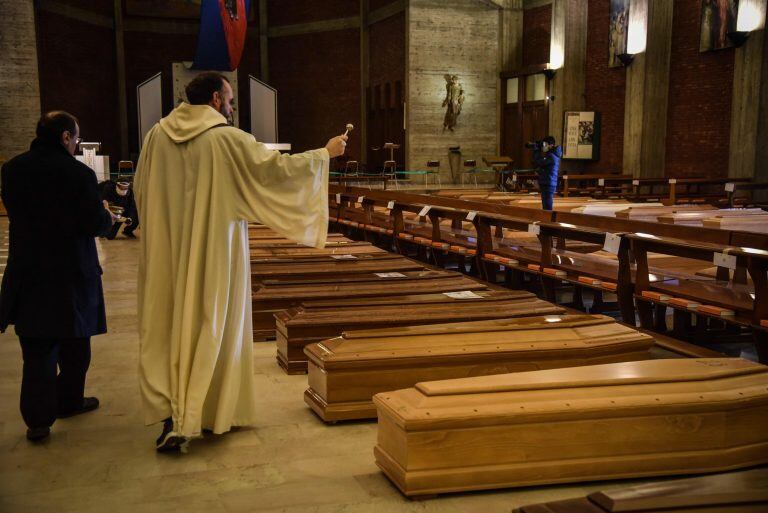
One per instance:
(546, 158)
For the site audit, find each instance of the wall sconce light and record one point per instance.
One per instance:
(738, 37)
(549, 98)
(626, 58)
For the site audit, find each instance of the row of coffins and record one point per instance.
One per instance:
(477, 387)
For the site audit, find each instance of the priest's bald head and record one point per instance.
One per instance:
(211, 88)
(59, 127)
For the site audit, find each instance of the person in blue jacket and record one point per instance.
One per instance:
(546, 157)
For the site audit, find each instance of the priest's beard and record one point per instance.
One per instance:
(228, 116)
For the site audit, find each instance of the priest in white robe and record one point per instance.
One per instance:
(198, 183)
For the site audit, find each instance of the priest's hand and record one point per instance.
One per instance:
(111, 214)
(337, 145)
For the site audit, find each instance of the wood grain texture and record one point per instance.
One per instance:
(621, 420)
(346, 372)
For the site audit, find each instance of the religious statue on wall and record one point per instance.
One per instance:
(454, 98)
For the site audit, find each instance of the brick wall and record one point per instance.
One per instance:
(537, 28)
(700, 87)
(78, 74)
(20, 101)
(317, 77)
(290, 12)
(604, 91)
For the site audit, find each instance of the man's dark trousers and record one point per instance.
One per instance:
(44, 393)
(547, 198)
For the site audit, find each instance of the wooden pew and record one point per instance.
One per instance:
(732, 189)
(346, 372)
(733, 492)
(589, 184)
(613, 421)
(731, 300)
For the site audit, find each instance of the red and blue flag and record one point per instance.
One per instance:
(221, 39)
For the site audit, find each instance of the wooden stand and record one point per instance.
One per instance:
(346, 372)
(621, 420)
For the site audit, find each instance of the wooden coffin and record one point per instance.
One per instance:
(298, 251)
(346, 372)
(619, 420)
(298, 327)
(733, 492)
(307, 269)
(271, 298)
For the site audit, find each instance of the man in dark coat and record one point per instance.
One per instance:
(51, 290)
(547, 159)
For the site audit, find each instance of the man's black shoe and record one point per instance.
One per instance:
(89, 404)
(38, 434)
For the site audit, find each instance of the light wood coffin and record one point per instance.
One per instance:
(303, 325)
(346, 372)
(620, 420)
(271, 298)
(733, 492)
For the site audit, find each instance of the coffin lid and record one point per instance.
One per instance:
(612, 374)
(383, 288)
(521, 339)
(488, 295)
(427, 312)
(743, 487)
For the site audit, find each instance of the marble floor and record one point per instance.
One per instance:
(290, 462)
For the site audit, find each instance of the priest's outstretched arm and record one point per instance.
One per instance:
(288, 193)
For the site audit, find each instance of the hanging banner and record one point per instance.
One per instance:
(221, 39)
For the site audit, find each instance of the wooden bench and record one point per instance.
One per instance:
(730, 300)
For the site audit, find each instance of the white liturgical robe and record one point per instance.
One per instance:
(198, 183)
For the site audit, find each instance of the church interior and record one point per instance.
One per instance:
(543, 287)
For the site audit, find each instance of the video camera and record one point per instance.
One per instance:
(535, 145)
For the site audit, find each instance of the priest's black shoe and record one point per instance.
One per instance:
(89, 404)
(169, 441)
(38, 434)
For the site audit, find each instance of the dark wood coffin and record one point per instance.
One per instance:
(733, 492)
(298, 327)
(271, 298)
(613, 421)
(346, 372)
(309, 269)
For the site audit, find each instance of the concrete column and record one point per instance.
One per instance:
(746, 104)
(19, 79)
(567, 54)
(511, 34)
(647, 90)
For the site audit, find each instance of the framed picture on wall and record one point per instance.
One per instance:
(718, 17)
(617, 31)
(581, 140)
